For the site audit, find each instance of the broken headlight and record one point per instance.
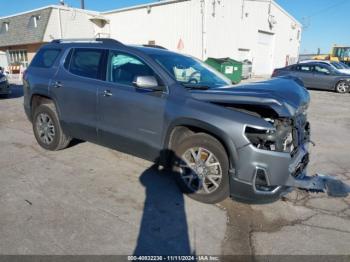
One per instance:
(279, 139)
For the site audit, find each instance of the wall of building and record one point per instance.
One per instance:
(227, 29)
(3, 60)
(174, 26)
(68, 22)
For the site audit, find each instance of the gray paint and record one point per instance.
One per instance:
(140, 122)
(315, 79)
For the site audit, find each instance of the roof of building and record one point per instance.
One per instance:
(159, 3)
(21, 32)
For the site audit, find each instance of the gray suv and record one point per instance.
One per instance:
(248, 142)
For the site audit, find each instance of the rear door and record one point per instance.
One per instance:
(75, 89)
(131, 119)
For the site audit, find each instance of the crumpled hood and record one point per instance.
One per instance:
(284, 95)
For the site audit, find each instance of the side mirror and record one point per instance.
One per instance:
(147, 82)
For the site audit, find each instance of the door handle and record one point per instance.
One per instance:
(57, 84)
(107, 93)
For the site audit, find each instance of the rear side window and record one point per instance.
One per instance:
(45, 58)
(86, 62)
(304, 68)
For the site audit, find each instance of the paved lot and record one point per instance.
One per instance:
(91, 200)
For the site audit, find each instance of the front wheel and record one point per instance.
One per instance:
(342, 87)
(201, 168)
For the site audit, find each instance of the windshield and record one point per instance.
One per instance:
(191, 72)
(338, 65)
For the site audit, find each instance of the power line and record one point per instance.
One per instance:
(327, 8)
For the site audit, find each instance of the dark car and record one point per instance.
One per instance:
(4, 85)
(317, 75)
(248, 142)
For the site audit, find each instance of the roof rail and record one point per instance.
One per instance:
(155, 46)
(87, 40)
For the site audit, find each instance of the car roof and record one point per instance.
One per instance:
(315, 61)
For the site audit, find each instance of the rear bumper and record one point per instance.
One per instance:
(5, 88)
(263, 176)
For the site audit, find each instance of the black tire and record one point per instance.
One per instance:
(211, 144)
(342, 87)
(60, 140)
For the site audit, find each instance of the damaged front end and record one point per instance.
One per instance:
(279, 157)
(273, 158)
(291, 136)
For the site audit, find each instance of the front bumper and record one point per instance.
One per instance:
(5, 88)
(279, 173)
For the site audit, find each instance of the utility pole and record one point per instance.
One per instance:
(82, 4)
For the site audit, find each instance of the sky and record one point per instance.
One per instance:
(326, 22)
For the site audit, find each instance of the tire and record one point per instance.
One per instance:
(46, 124)
(342, 87)
(197, 181)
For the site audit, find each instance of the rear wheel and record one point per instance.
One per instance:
(47, 128)
(342, 87)
(201, 168)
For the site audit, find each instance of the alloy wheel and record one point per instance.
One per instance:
(342, 87)
(201, 170)
(45, 128)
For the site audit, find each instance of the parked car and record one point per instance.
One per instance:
(248, 142)
(4, 85)
(317, 75)
(340, 66)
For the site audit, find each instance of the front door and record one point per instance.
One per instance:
(130, 119)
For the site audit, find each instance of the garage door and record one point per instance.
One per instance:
(262, 64)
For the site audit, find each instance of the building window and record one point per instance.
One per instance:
(33, 21)
(18, 57)
(4, 27)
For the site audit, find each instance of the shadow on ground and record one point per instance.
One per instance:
(164, 229)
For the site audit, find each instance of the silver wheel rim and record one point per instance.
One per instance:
(45, 128)
(201, 170)
(342, 87)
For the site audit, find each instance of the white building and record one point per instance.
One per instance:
(3, 60)
(258, 30)
(21, 35)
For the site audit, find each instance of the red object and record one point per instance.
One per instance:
(274, 73)
(180, 45)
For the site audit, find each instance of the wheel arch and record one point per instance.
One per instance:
(38, 99)
(198, 126)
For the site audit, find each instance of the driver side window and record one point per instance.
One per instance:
(124, 68)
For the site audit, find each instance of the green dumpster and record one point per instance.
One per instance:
(227, 66)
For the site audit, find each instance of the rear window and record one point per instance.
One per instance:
(86, 62)
(45, 58)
